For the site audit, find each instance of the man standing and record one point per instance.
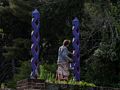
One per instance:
(63, 61)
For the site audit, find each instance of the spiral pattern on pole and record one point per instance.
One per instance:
(76, 49)
(35, 49)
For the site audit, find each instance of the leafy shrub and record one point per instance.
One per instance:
(50, 78)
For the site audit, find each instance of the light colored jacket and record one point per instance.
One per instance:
(63, 54)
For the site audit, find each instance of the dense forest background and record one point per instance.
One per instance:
(99, 29)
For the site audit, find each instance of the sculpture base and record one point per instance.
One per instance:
(31, 84)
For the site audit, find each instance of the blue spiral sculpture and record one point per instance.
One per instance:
(35, 43)
(76, 49)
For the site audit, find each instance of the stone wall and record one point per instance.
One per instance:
(65, 87)
(31, 84)
(75, 87)
(106, 88)
(57, 87)
(7, 89)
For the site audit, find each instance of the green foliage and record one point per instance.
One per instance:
(100, 33)
(22, 73)
(16, 53)
(50, 78)
(47, 72)
(2, 86)
(43, 73)
(102, 66)
(72, 82)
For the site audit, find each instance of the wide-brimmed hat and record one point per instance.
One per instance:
(66, 42)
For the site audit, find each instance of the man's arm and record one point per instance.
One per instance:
(65, 54)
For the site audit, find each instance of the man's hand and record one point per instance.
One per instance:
(70, 53)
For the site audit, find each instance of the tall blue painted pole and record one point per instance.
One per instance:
(35, 49)
(76, 48)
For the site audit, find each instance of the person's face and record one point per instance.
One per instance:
(67, 45)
